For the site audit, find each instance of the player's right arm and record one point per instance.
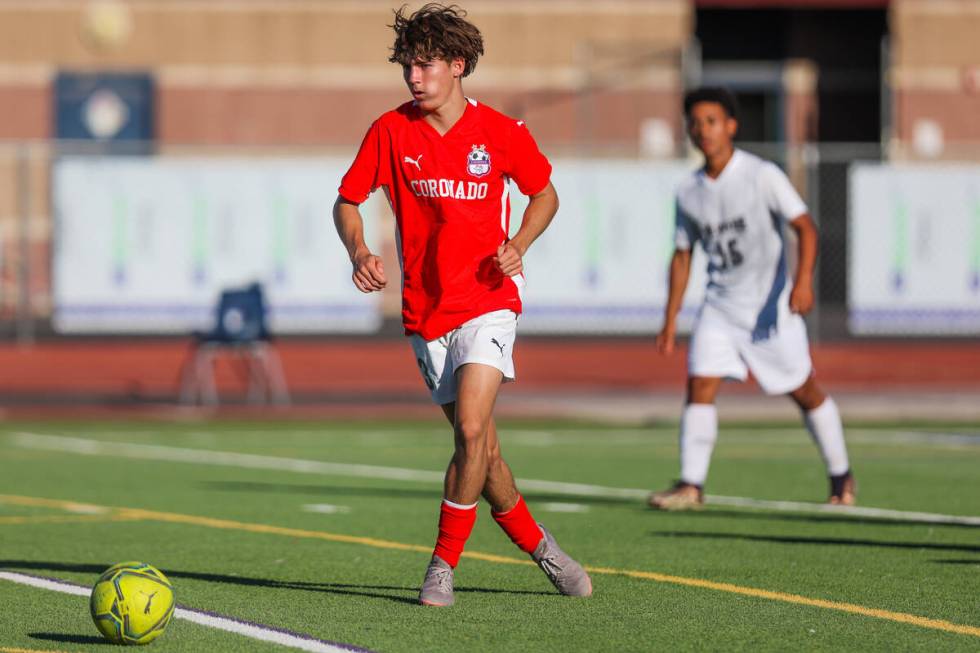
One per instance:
(686, 233)
(369, 272)
(680, 272)
(366, 174)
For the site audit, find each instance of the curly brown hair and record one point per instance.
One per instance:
(435, 31)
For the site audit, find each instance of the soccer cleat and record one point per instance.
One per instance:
(437, 588)
(843, 490)
(565, 574)
(682, 496)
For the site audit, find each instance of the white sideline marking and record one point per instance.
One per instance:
(253, 461)
(850, 511)
(45, 584)
(915, 437)
(223, 458)
(250, 630)
(326, 508)
(739, 435)
(564, 507)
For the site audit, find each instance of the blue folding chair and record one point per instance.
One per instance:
(240, 329)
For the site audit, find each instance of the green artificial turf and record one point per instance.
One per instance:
(364, 594)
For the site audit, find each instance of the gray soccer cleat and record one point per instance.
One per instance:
(565, 574)
(437, 588)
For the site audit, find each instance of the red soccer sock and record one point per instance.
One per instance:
(455, 526)
(520, 526)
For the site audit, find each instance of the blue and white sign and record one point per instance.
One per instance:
(603, 264)
(914, 249)
(146, 245)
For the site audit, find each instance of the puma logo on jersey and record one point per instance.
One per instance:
(415, 162)
(499, 346)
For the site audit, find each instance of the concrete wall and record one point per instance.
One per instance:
(935, 76)
(315, 72)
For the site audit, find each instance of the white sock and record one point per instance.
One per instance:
(699, 430)
(824, 425)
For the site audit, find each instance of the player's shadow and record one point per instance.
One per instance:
(823, 518)
(385, 492)
(70, 639)
(44, 565)
(829, 541)
(345, 589)
(975, 561)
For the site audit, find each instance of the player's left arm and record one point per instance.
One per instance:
(801, 299)
(541, 208)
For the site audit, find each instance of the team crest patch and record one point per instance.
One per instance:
(478, 161)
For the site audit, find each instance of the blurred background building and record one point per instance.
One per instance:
(155, 152)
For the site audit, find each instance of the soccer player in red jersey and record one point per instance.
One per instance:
(445, 162)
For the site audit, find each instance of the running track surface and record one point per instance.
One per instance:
(149, 369)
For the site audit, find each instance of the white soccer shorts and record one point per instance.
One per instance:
(720, 348)
(487, 339)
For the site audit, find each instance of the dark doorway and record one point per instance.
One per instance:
(845, 45)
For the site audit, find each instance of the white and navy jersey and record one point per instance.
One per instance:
(738, 218)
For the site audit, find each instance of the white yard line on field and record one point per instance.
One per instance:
(303, 466)
(326, 508)
(561, 506)
(222, 458)
(792, 436)
(585, 436)
(229, 624)
(943, 439)
(850, 511)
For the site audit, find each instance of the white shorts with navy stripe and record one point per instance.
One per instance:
(780, 362)
(487, 340)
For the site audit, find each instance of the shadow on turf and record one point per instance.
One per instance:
(833, 541)
(958, 562)
(388, 493)
(70, 639)
(711, 512)
(330, 588)
(818, 519)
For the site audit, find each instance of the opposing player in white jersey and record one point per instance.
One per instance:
(736, 207)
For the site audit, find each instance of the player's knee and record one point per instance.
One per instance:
(471, 434)
(808, 396)
(702, 390)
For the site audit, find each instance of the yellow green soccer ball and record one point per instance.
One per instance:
(132, 603)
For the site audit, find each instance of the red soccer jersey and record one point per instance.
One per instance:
(449, 194)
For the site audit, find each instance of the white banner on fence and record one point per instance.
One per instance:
(603, 264)
(914, 258)
(147, 244)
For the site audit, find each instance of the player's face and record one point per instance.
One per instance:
(431, 83)
(711, 129)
